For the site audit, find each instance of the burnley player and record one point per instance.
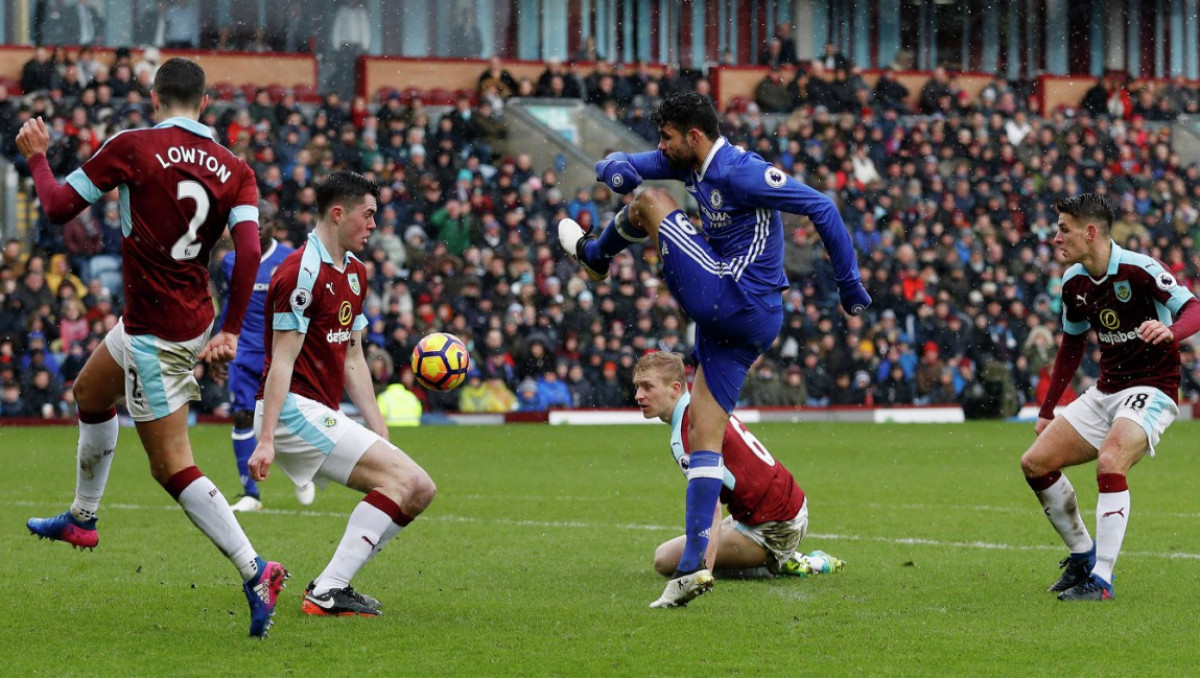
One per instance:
(768, 512)
(179, 190)
(727, 275)
(315, 341)
(1128, 299)
(247, 367)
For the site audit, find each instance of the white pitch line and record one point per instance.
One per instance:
(574, 524)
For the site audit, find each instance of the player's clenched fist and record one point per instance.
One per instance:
(33, 138)
(619, 175)
(220, 349)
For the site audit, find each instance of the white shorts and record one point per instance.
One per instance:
(316, 443)
(1093, 413)
(158, 373)
(780, 538)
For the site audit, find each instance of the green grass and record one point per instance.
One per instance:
(535, 559)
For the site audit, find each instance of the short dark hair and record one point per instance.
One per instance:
(1089, 207)
(344, 188)
(179, 82)
(687, 110)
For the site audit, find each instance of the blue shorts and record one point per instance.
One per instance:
(244, 374)
(732, 327)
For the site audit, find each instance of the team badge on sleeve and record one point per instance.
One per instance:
(775, 177)
(1122, 290)
(301, 298)
(1165, 281)
(353, 278)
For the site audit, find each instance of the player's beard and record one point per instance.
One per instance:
(681, 163)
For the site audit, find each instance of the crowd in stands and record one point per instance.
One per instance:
(950, 204)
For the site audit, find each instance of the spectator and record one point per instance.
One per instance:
(833, 58)
(38, 74)
(771, 93)
(11, 403)
(528, 397)
(794, 387)
(497, 76)
(43, 396)
(763, 388)
(588, 52)
(935, 95)
(399, 406)
(787, 44)
(771, 55)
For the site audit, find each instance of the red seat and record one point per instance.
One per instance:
(384, 93)
(275, 91)
(224, 91)
(439, 97)
(306, 93)
(409, 93)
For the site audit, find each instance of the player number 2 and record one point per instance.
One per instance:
(187, 247)
(752, 442)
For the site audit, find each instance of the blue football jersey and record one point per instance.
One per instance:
(250, 341)
(740, 196)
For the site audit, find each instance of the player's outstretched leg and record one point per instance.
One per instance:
(593, 253)
(681, 590)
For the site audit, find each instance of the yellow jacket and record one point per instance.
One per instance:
(399, 406)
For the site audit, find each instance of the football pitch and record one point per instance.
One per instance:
(535, 559)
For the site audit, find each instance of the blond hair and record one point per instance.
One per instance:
(666, 364)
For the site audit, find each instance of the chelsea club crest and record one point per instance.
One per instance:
(1122, 290)
(716, 199)
(353, 278)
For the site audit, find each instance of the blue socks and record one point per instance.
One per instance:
(705, 475)
(244, 443)
(612, 241)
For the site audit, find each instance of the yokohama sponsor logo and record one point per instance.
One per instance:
(1116, 337)
(337, 337)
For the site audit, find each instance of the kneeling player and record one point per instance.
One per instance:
(315, 348)
(768, 514)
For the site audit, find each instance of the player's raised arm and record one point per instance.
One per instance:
(764, 185)
(623, 172)
(60, 202)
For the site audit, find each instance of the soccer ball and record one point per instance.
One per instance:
(440, 361)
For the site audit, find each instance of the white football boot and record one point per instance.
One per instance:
(680, 591)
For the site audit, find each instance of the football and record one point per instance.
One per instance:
(440, 361)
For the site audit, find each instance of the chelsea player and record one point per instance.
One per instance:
(727, 275)
(247, 367)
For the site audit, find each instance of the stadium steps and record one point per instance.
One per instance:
(570, 136)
